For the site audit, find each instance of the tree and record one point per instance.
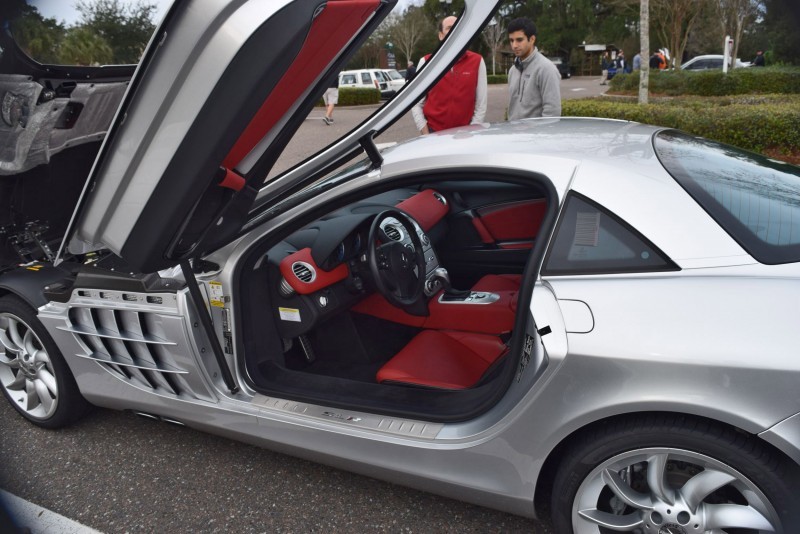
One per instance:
(735, 16)
(126, 29)
(494, 35)
(39, 37)
(779, 34)
(644, 51)
(675, 20)
(82, 46)
(408, 30)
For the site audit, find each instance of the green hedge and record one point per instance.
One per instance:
(752, 122)
(497, 78)
(770, 80)
(358, 96)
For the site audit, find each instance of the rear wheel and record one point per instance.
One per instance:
(33, 374)
(672, 475)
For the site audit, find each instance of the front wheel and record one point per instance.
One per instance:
(673, 475)
(33, 374)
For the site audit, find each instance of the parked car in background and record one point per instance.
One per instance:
(562, 64)
(586, 318)
(396, 80)
(366, 78)
(709, 62)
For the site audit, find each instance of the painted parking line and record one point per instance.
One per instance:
(32, 518)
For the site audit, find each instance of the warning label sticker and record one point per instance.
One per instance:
(215, 294)
(290, 314)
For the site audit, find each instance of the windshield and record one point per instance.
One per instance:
(755, 199)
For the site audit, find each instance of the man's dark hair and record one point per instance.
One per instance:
(523, 24)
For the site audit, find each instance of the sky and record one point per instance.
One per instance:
(64, 10)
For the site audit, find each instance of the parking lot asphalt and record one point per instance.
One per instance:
(116, 472)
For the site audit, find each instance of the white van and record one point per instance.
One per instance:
(366, 78)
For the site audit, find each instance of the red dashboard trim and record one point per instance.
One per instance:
(425, 208)
(323, 278)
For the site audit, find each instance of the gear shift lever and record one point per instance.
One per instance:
(443, 276)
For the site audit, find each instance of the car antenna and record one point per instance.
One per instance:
(368, 144)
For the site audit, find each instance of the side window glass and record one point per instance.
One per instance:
(365, 79)
(591, 240)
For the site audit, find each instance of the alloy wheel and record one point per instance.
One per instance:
(670, 491)
(26, 372)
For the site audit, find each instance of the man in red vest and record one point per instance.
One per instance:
(459, 98)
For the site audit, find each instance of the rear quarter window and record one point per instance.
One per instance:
(753, 198)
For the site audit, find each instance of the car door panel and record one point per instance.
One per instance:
(492, 228)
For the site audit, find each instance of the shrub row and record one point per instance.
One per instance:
(751, 122)
(497, 78)
(770, 80)
(358, 96)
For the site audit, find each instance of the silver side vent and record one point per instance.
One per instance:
(285, 289)
(440, 198)
(135, 346)
(304, 272)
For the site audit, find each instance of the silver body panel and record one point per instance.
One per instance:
(716, 339)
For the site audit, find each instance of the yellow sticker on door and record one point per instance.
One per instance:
(216, 296)
(290, 314)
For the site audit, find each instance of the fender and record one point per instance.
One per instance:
(31, 281)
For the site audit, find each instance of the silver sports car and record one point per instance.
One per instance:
(590, 319)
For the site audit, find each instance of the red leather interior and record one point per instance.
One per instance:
(495, 318)
(330, 32)
(516, 221)
(323, 278)
(425, 208)
(498, 282)
(449, 360)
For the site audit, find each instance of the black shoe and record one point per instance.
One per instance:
(327, 120)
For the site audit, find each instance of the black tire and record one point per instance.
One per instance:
(688, 449)
(33, 374)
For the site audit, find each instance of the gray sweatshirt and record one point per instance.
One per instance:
(536, 91)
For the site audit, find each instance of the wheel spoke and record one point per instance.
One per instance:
(13, 331)
(702, 485)
(6, 340)
(13, 364)
(619, 523)
(656, 465)
(28, 342)
(722, 516)
(44, 395)
(32, 399)
(18, 383)
(625, 493)
(49, 381)
(41, 356)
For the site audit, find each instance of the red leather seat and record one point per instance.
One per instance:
(443, 359)
(498, 282)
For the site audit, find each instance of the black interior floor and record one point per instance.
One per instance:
(352, 346)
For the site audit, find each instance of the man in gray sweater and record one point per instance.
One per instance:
(534, 83)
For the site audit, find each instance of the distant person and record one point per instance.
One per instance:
(411, 71)
(605, 64)
(637, 62)
(534, 83)
(658, 61)
(331, 98)
(620, 61)
(759, 59)
(459, 98)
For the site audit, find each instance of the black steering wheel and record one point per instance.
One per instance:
(397, 269)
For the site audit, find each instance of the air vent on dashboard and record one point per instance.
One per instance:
(393, 233)
(304, 272)
(440, 198)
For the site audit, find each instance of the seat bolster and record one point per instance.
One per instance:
(442, 359)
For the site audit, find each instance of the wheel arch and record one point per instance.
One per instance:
(544, 482)
(31, 282)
